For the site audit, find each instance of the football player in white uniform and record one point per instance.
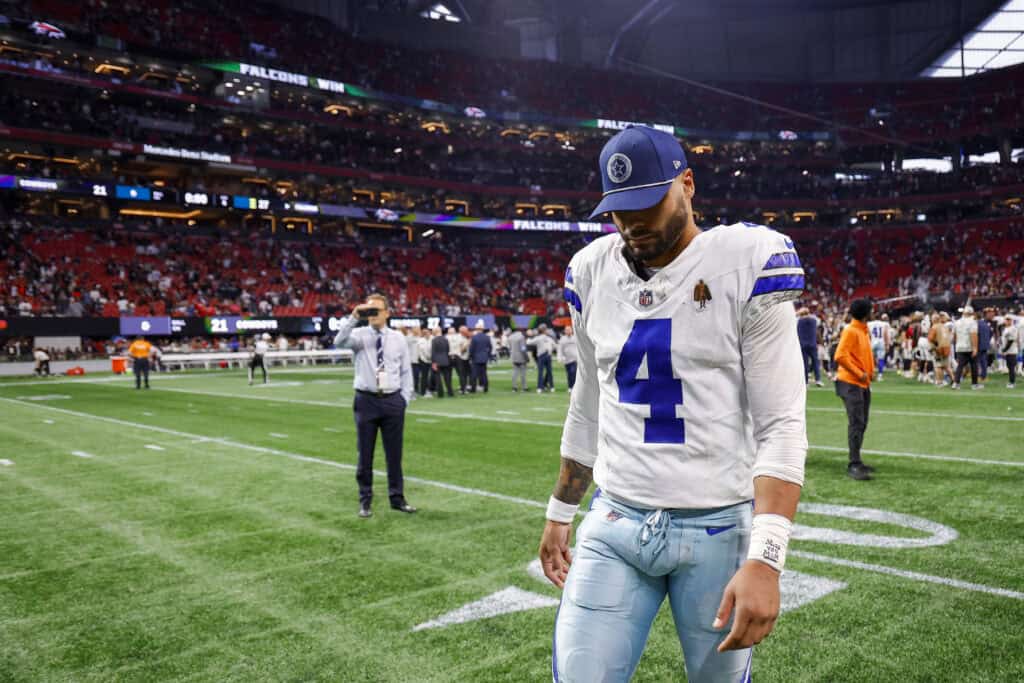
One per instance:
(880, 333)
(688, 408)
(256, 359)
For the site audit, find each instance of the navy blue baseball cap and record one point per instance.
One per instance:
(638, 166)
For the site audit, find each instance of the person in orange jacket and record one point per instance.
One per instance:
(140, 351)
(856, 364)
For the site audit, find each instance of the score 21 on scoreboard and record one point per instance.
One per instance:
(233, 324)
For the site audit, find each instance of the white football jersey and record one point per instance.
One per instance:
(689, 384)
(262, 347)
(878, 331)
(964, 328)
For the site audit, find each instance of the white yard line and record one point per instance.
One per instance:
(922, 456)
(912, 413)
(153, 447)
(278, 435)
(879, 569)
(82, 454)
(512, 420)
(164, 376)
(914, 576)
(945, 391)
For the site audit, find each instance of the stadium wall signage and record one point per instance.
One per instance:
(288, 77)
(474, 112)
(215, 325)
(183, 153)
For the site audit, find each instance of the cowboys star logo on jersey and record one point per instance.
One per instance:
(619, 168)
(701, 295)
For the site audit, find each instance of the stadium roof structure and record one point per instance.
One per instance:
(996, 42)
(715, 40)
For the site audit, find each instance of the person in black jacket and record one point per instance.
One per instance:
(440, 363)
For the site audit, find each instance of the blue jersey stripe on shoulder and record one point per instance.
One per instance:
(574, 299)
(777, 283)
(568, 274)
(784, 259)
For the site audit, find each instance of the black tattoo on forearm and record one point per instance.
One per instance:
(573, 481)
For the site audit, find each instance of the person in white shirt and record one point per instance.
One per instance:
(157, 356)
(257, 358)
(423, 360)
(568, 355)
(42, 367)
(1009, 348)
(383, 384)
(412, 340)
(688, 413)
(455, 341)
(545, 347)
(965, 343)
(466, 367)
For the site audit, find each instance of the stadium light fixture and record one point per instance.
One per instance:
(438, 12)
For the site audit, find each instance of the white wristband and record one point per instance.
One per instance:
(560, 512)
(769, 538)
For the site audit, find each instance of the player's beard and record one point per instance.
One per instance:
(666, 239)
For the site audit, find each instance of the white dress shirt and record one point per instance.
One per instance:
(394, 374)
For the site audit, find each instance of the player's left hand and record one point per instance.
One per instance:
(754, 595)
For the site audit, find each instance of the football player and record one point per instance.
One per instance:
(256, 360)
(880, 333)
(688, 413)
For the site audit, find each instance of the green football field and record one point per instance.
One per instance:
(206, 531)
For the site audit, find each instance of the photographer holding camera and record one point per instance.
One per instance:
(383, 384)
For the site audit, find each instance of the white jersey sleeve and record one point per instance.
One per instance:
(774, 270)
(579, 437)
(772, 364)
(772, 372)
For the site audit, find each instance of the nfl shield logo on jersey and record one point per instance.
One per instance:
(646, 297)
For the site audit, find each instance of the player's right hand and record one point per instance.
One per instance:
(555, 557)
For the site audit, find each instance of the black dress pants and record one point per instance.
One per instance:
(964, 359)
(141, 369)
(858, 405)
(387, 414)
(443, 380)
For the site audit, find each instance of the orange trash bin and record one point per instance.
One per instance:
(119, 364)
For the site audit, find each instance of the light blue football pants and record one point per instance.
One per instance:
(626, 561)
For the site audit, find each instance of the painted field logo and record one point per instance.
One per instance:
(797, 589)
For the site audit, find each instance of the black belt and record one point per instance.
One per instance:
(378, 394)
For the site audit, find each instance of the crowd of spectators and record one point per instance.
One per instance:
(281, 38)
(510, 166)
(116, 270)
(111, 269)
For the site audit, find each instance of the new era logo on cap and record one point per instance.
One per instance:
(637, 167)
